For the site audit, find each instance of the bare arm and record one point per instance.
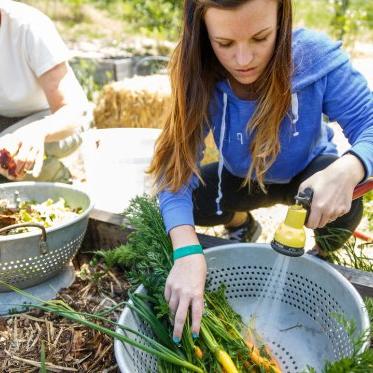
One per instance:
(183, 235)
(67, 102)
(186, 282)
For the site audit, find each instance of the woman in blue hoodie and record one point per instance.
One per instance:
(240, 72)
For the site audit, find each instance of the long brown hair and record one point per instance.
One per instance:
(194, 71)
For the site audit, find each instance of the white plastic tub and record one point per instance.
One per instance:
(115, 161)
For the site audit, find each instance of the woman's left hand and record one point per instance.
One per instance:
(332, 190)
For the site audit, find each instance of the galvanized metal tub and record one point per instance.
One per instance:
(27, 259)
(299, 323)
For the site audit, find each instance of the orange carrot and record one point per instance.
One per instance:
(270, 366)
(198, 352)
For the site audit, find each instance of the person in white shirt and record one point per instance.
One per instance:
(42, 105)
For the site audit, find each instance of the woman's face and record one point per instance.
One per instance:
(243, 38)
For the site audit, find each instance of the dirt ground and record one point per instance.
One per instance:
(69, 347)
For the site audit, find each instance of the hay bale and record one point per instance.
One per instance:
(141, 101)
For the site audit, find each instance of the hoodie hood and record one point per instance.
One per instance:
(314, 56)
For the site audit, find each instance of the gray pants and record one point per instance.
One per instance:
(53, 169)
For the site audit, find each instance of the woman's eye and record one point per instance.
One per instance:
(224, 45)
(260, 39)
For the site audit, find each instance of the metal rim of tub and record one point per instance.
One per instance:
(43, 258)
(311, 299)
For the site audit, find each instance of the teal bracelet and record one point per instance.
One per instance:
(187, 250)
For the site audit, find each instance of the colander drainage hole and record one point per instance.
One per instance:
(286, 360)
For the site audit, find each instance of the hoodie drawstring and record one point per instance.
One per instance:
(295, 117)
(294, 107)
(221, 143)
(295, 111)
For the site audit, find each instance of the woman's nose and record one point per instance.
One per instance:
(244, 56)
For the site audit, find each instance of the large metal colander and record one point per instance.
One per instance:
(299, 325)
(27, 259)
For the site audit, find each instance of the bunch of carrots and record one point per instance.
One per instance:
(225, 343)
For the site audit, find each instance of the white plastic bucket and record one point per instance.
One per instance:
(115, 161)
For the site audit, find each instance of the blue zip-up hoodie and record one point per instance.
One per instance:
(323, 82)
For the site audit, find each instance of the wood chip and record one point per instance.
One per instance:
(69, 347)
(49, 366)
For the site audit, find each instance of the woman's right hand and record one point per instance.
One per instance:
(184, 289)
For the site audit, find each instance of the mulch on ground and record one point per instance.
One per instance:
(68, 347)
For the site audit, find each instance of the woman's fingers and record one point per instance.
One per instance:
(167, 292)
(179, 308)
(321, 216)
(180, 317)
(197, 311)
(314, 218)
(325, 219)
(173, 303)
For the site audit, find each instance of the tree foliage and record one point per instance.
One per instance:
(160, 17)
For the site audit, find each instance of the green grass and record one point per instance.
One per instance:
(351, 255)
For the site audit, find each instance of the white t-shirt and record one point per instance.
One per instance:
(29, 46)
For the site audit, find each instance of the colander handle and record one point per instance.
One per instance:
(43, 239)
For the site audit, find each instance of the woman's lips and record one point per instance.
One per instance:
(246, 70)
(246, 73)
